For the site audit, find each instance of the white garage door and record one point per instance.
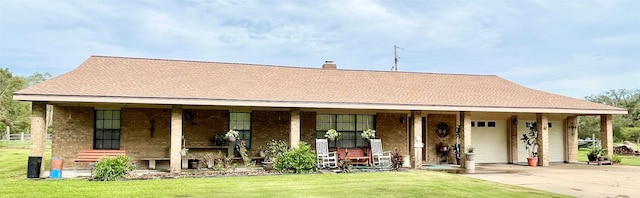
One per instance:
(556, 142)
(490, 141)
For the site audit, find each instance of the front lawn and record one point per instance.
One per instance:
(626, 159)
(379, 184)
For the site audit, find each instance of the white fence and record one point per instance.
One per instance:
(19, 137)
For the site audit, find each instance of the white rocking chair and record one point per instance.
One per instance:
(325, 158)
(380, 158)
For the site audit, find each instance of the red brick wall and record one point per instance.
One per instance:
(72, 131)
(392, 132)
(308, 128)
(433, 139)
(268, 125)
(135, 133)
(203, 125)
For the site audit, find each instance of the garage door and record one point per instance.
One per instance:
(556, 142)
(489, 138)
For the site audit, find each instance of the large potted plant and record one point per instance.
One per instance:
(530, 141)
(594, 153)
(274, 150)
(331, 134)
(232, 135)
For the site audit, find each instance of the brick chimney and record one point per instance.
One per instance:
(329, 65)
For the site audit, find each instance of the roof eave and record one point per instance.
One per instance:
(301, 104)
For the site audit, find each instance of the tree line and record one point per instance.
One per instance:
(15, 115)
(625, 127)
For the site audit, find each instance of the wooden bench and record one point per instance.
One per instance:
(95, 155)
(357, 156)
(152, 161)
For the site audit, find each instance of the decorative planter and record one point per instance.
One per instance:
(232, 139)
(470, 156)
(184, 152)
(532, 161)
(331, 139)
(267, 166)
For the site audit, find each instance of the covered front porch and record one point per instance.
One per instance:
(164, 131)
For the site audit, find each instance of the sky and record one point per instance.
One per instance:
(574, 48)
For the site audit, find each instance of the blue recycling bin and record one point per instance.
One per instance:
(56, 168)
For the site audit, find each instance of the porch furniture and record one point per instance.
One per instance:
(95, 155)
(152, 161)
(357, 156)
(379, 158)
(325, 159)
(229, 149)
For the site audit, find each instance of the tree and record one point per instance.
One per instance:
(625, 127)
(15, 115)
(11, 111)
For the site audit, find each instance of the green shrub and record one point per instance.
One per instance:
(275, 149)
(112, 168)
(297, 160)
(616, 159)
(594, 153)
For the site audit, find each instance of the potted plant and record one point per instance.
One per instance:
(184, 151)
(368, 134)
(274, 150)
(470, 154)
(530, 141)
(331, 134)
(218, 140)
(231, 135)
(594, 153)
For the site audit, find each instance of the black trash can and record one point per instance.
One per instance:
(33, 167)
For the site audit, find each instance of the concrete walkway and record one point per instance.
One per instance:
(578, 180)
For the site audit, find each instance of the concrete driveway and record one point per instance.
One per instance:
(578, 180)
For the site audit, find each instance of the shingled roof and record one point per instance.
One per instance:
(157, 81)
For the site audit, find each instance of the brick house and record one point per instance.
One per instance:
(154, 107)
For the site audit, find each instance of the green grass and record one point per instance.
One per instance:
(378, 184)
(626, 159)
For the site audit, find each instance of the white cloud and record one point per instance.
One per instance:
(536, 43)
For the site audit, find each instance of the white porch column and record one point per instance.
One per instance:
(176, 139)
(542, 125)
(38, 132)
(294, 134)
(571, 135)
(465, 120)
(606, 134)
(417, 139)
